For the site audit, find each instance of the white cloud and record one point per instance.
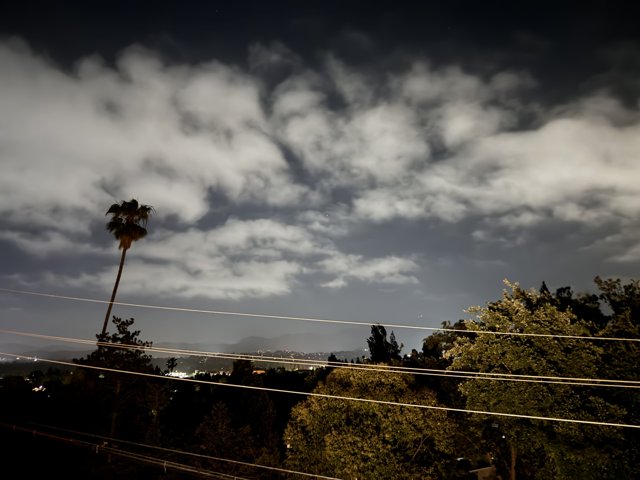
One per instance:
(369, 141)
(218, 278)
(168, 134)
(240, 249)
(335, 221)
(47, 243)
(381, 145)
(463, 122)
(240, 259)
(423, 85)
(632, 254)
(581, 167)
(423, 143)
(261, 238)
(389, 270)
(568, 161)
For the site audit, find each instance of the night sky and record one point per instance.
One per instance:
(386, 162)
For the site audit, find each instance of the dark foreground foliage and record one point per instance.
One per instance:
(95, 421)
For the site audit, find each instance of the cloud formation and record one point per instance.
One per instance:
(312, 153)
(240, 259)
(168, 134)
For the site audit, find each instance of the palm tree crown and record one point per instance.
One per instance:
(128, 222)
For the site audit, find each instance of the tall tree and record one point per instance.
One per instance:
(121, 405)
(128, 224)
(432, 357)
(381, 349)
(622, 298)
(533, 449)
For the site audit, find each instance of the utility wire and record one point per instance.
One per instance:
(171, 464)
(124, 453)
(574, 381)
(317, 320)
(182, 452)
(337, 397)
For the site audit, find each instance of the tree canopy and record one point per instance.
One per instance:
(533, 448)
(351, 440)
(382, 350)
(361, 421)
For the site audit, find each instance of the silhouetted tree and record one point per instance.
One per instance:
(381, 349)
(242, 372)
(437, 343)
(128, 224)
(585, 306)
(432, 357)
(172, 364)
(134, 401)
(623, 299)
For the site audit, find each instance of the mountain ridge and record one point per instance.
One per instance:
(251, 344)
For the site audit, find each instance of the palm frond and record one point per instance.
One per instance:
(113, 209)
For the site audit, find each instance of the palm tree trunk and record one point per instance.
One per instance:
(113, 295)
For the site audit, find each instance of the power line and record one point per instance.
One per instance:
(573, 381)
(337, 397)
(126, 454)
(316, 320)
(182, 452)
(171, 464)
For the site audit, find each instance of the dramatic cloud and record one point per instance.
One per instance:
(255, 258)
(451, 146)
(391, 270)
(168, 134)
(299, 157)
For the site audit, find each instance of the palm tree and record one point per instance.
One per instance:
(128, 222)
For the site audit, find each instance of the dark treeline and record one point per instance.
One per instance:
(95, 422)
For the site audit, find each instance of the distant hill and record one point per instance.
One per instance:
(318, 347)
(54, 352)
(306, 342)
(190, 364)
